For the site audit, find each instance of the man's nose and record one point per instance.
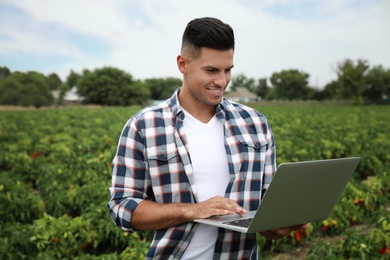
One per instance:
(221, 80)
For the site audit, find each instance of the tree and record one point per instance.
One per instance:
(162, 88)
(72, 79)
(54, 81)
(330, 90)
(111, 86)
(26, 89)
(377, 84)
(241, 81)
(4, 73)
(262, 89)
(351, 80)
(291, 84)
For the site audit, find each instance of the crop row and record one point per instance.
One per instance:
(55, 174)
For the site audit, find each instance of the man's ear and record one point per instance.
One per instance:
(182, 63)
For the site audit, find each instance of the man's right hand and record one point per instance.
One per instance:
(154, 216)
(217, 206)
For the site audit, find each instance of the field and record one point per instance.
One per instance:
(55, 172)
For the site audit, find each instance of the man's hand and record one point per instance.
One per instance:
(282, 232)
(216, 206)
(153, 216)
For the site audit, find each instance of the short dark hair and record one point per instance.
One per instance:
(207, 32)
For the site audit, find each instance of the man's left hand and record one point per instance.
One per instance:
(282, 232)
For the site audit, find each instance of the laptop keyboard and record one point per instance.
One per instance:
(241, 222)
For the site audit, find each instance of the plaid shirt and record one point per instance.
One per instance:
(152, 162)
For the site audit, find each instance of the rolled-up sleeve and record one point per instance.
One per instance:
(130, 181)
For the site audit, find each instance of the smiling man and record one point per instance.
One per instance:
(196, 155)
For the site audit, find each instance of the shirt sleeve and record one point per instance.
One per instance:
(130, 181)
(270, 160)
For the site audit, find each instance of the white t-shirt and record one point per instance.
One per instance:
(211, 173)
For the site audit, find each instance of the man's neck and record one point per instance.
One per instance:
(200, 111)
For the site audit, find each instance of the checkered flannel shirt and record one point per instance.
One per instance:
(152, 163)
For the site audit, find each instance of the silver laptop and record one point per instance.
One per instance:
(300, 192)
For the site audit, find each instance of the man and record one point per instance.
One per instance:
(196, 155)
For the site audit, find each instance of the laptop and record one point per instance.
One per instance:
(299, 193)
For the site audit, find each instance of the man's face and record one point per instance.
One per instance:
(205, 78)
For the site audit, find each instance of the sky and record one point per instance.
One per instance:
(143, 37)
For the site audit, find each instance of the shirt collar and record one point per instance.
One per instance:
(178, 111)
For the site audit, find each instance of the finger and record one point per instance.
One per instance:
(305, 226)
(236, 209)
(229, 205)
(227, 210)
(302, 226)
(221, 212)
(241, 211)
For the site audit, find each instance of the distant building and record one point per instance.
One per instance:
(70, 97)
(241, 95)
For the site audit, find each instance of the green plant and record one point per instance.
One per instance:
(55, 170)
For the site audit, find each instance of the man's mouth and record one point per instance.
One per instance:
(217, 91)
